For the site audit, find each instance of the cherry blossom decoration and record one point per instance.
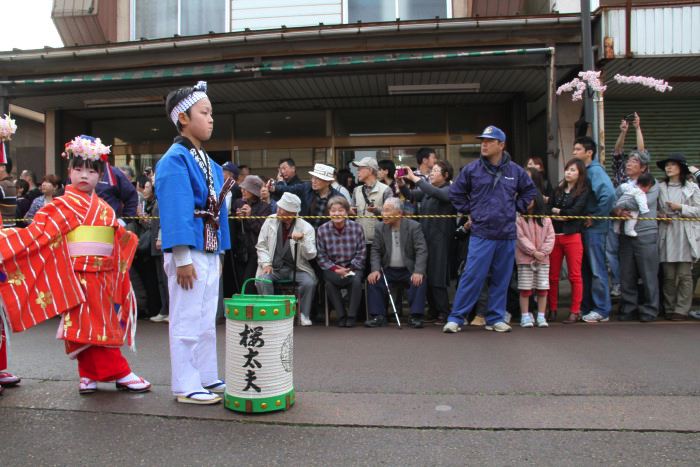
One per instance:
(7, 128)
(590, 80)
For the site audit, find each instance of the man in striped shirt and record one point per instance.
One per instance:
(340, 246)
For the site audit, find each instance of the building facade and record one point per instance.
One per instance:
(319, 80)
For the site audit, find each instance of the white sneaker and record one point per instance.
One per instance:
(526, 321)
(594, 317)
(451, 327)
(304, 320)
(542, 322)
(159, 318)
(166, 319)
(615, 290)
(498, 327)
(508, 317)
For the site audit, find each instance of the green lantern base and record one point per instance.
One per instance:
(266, 404)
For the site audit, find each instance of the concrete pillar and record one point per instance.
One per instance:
(50, 137)
(568, 113)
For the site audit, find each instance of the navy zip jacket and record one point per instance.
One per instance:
(492, 195)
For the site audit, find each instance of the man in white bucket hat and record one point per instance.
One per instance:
(314, 195)
(285, 243)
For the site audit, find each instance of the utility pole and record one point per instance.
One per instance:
(587, 52)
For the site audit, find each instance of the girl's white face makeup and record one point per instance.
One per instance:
(84, 178)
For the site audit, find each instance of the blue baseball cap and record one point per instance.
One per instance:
(231, 167)
(493, 132)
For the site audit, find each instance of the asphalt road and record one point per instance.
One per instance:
(622, 393)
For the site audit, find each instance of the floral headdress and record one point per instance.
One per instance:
(87, 147)
(7, 129)
(90, 149)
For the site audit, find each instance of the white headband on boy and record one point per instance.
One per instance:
(200, 92)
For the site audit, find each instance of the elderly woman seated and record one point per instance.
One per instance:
(341, 255)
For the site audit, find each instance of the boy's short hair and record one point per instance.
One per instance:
(424, 153)
(174, 98)
(646, 180)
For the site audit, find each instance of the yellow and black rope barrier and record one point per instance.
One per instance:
(427, 216)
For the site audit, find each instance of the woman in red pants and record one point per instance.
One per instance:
(569, 199)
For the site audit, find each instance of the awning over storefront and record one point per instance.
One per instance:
(300, 64)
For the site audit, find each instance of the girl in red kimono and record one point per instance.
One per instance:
(73, 261)
(6, 379)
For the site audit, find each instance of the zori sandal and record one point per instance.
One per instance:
(133, 383)
(8, 379)
(217, 387)
(200, 397)
(87, 386)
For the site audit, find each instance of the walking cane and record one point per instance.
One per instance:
(294, 272)
(391, 298)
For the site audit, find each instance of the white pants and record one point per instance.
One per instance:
(193, 324)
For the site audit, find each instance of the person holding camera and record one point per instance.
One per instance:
(368, 197)
(619, 163)
(434, 198)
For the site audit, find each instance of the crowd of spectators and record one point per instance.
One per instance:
(651, 266)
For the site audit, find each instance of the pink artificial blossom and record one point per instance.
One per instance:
(656, 84)
(586, 80)
(591, 80)
(7, 128)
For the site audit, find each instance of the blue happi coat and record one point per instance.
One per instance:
(181, 187)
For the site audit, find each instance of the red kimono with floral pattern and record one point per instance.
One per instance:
(92, 293)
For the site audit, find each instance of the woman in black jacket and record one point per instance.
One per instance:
(434, 198)
(569, 199)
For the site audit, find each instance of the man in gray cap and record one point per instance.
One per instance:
(368, 197)
(286, 243)
(639, 256)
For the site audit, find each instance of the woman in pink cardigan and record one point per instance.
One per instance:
(533, 247)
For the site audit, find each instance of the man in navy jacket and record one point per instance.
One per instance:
(491, 190)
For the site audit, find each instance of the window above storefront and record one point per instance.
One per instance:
(404, 121)
(153, 19)
(369, 11)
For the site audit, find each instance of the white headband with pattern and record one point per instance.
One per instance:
(200, 92)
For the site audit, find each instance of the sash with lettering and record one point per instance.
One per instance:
(92, 293)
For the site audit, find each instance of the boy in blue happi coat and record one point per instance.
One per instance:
(190, 189)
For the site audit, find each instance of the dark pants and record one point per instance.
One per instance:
(377, 293)
(639, 259)
(143, 269)
(438, 301)
(162, 285)
(334, 283)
